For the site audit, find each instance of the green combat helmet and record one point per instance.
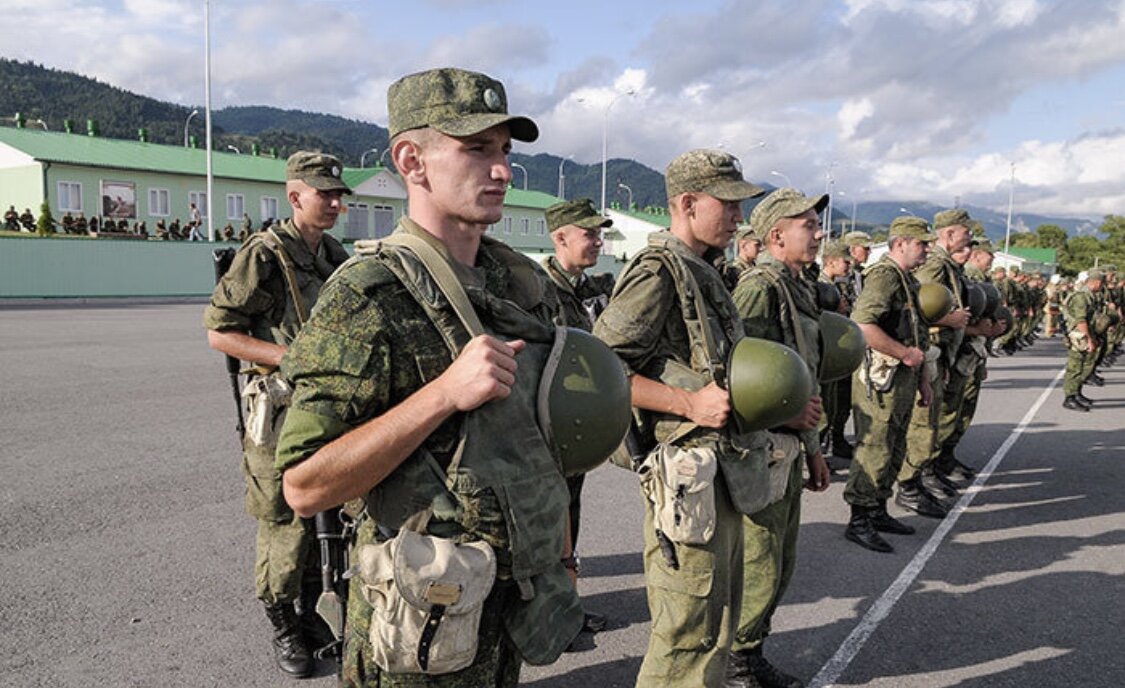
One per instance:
(584, 401)
(976, 301)
(936, 301)
(841, 346)
(1103, 320)
(769, 384)
(991, 299)
(1002, 313)
(827, 296)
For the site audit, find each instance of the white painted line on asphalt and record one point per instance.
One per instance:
(835, 667)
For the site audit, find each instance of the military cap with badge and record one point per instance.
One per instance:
(579, 212)
(319, 170)
(783, 203)
(712, 172)
(456, 102)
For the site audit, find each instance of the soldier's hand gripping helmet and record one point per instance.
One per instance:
(1003, 314)
(584, 401)
(768, 382)
(936, 301)
(841, 346)
(976, 301)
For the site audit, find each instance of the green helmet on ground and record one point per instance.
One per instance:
(936, 301)
(827, 296)
(841, 346)
(584, 401)
(992, 298)
(976, 300)
(769, 383)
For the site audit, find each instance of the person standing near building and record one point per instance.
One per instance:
(1082, 344)
(256, 311)
(885, 387)
(694, 583)
(576, 231)
(776, 303)
(401, 403)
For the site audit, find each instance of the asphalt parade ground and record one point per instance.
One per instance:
(126, 558)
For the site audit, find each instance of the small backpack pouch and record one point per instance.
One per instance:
(265, 399)
(881, 373)
(427, 594)
(681, 486)
(784, 450)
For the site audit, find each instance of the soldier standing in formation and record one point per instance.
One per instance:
(392, 388)
(837, 272)
(255, 313)
(694, 585)
(576, 231)
(885, 388)
(777, 303)
(747, 246)
(1080, 310)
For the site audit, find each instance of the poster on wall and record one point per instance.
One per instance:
(119, 200)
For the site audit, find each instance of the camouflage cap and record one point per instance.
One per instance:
(579, 211)
(949, 218)
(857, 238)
(455, 102)
(783, 203)
(912, 228)
(712, 172)
(1015, 270)
(746, 232)
(983, 244)
(1095, 274)
(319, 170)
(1110, 268)
(837, 249)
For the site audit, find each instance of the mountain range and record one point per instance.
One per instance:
(46, 97)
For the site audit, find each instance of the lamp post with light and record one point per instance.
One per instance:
(363, 157)
(516, 165)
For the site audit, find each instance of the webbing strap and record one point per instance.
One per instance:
(443, 276)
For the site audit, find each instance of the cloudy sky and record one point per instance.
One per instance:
(895, 99)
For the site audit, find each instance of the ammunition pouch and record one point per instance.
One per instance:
(784, 449)
(879, 376)
(265, 399)
(1077, 341)
(680, 484)
(427, 595)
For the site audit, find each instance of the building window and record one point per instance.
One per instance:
(236, 206)
(70, 197)
(525, 226)
(541, 227)
(507, 225)
(384, 216)
(355, 226)
(199, 198)
(269, 208)
(159, 204)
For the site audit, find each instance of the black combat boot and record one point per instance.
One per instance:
(1083, 399)
(939, 486)
(952, 468)
(738, 672)
(767, 675)
(1097, 380)
(911, 495)
(842, 448)
(289, 648)
(885, 523)
(861, 531)
(1073, 404)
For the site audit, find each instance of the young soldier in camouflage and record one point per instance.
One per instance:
(392, 389)
(694, 589)
(777, 303)
(1082, 344)
(253, 317)
(887, 312)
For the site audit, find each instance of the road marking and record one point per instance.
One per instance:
(835, 667)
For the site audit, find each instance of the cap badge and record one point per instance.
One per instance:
(737, 164)
(335, 171)
(492, 99)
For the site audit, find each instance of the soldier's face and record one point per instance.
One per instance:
(469, 176)
(578, 247)
(861, 254)
(799, 237)
(748, 249)
(315, 208)
(957, 237)
(715, 222)
(916, 251)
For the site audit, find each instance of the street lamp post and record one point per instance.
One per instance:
(516, 165)
(187, 123)
(855, 210)
(232, 148)
(904, 210)
(605, 138)
(562, 177)
(384, 154)
(626, 187)
(363, 157)
(783, 176)
(207, 119)
(838, 193)
(1011, 196)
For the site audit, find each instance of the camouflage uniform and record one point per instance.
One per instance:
(1079, 307)
(770, 535)
(253, 298)
(970, 393)
(368, 347)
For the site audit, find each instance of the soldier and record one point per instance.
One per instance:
(247, 225)
(859, 247)
(1082, 344)
(392, 388)
(254, 315)
(837, 395)
(27, 220)
(576, 231)
(921, 489)
(1053, 306)
(80, 225)
(777, 303)
(884, 389)
(747, 246)
(11, 219)
(68, 223)
(694, 586)
(161, 230)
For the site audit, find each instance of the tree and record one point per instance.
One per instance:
(1051, 236)
(46, 224)
(1025, 240)
(1114, 229)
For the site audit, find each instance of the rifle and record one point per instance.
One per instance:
(223, 258)
(333, 529)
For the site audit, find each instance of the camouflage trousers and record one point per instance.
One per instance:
(881, 423)
(951, 409)
(694, 608)
(1079, 366)
(286, 545)
(921, 437)
(837, 398)
(769, 540)
(969, 398)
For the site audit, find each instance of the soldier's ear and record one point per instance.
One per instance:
(407, 156)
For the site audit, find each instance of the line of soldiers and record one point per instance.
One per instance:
(15, 222)
(1091, 321)
(418, 394)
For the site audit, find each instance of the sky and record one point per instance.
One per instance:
(912, 100)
